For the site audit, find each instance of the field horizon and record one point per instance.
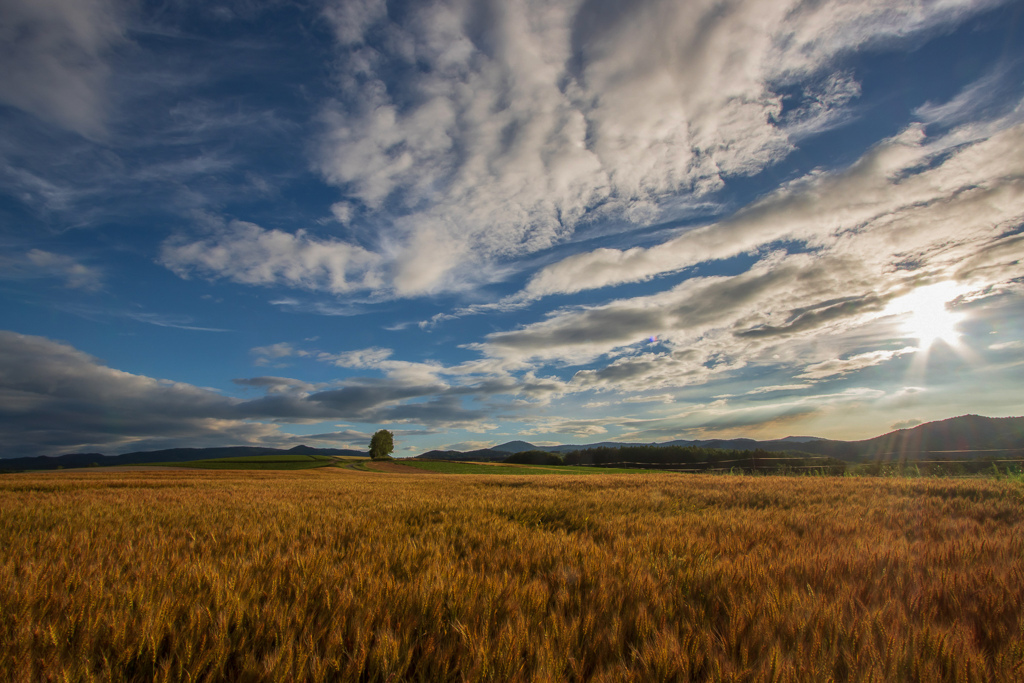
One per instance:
(966, 437)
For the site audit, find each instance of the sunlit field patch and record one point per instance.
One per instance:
(335, 574)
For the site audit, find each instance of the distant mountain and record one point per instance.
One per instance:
(516, 447)
(481, 455)
(737, 444)
(603, 444)
(309, 450)
(967, 433)
(964, 433)
(75, 460)
(521, 446)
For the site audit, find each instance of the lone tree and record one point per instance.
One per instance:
(381, 445)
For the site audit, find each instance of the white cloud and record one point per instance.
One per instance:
(1007, 346)
(468, 446)
(910, 214)
(900, 219)
(580, 428)
(54, 398)
(596, 404)
(342, 212)
(38, 263)
(351, 18)
(249, 254)
(974, 103)
(281, 385)
(526, 121)
(361, 358)
(55, 54)
(778, 387)
(280, 350)
(657, 398)
(844, 366)
(264, 355)
(826, 106)
(715, 313)
(720, 419)
(886, 207)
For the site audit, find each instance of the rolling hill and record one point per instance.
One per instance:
(75, 460)
(963, 436)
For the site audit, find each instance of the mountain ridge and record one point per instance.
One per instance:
(80, 460)
(961, 434)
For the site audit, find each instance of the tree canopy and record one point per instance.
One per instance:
(382, 444)
(535, 457)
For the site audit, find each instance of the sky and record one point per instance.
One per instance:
(469, 222)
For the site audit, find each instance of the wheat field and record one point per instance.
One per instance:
(341, 575)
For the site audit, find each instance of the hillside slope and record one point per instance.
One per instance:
(75, 460)
(964, 435)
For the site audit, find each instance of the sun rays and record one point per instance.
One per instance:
(927, 315)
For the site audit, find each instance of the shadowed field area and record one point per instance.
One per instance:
(258, 462)
(492, 468)
(335, 574)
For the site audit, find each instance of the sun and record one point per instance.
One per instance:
(927, 316)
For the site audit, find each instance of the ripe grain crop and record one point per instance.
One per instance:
(343, 575)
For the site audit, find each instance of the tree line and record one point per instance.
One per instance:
(689, 458)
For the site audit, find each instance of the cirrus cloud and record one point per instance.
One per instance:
(246, 253)
(475, 133)
(895, 204)
(55, 59)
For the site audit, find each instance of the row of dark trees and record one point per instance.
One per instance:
(535, 458)
(703, 459)
(686, 458)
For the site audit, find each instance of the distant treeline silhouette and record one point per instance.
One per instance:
(705, 459)
(699, 459)
(535, 458)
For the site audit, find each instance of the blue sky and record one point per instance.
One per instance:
(471, 222)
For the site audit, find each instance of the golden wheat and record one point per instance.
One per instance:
(331, 575)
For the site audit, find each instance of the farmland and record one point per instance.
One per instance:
(449, 467)
(257, 462)
(341, 574)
